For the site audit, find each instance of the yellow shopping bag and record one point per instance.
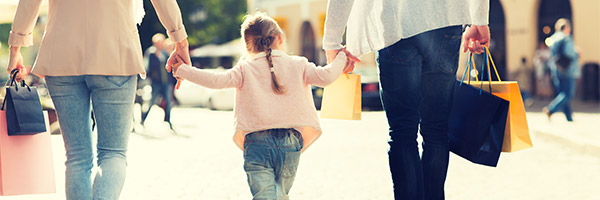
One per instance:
(516, 134)
(342, 99)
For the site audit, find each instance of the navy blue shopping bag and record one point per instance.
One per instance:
(24, 115)
(477, 122)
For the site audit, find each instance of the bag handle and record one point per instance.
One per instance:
(467, 70)
(490, 59)
(346, 74)
(483, 66)
(471, 63)
(13, 82)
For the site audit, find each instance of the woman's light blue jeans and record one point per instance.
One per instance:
(111, 98)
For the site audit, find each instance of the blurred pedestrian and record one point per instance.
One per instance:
(544, 66)
(275, 115)
(417, 44)
(90, 56)
(170, 47)
(155, 58)
(566, 56)
(523, 76)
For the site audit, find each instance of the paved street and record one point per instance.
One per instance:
(349, 161)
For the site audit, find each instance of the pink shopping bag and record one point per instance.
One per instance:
(26, 163)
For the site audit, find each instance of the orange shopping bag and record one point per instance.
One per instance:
(26, 163)
(342, 99)
(516, 134)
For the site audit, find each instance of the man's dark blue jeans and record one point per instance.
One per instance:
(417, 77)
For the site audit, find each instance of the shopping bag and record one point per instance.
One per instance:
(26, 163)
(342, 98)
(516, 135)
(477, 123)
(23, 108)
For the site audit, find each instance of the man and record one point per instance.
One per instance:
(155, 58)
(567, 69)
(417, 44)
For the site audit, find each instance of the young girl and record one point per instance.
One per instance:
(274, 112)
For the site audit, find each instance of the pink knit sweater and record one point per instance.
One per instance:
(257, 106)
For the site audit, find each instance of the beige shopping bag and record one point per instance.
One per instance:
(342, 99)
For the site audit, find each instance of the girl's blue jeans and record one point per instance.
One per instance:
(111, 98)
(270, 160)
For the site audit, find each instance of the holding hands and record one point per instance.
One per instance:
(351, 60)
(180, 55)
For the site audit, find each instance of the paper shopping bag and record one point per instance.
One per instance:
(477, 122)
(476, 125)
(23, 109)
(342, 98)
(516, 135)
(26, 163)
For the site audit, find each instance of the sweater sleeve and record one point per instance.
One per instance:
(323, 76)
(231, 78)
(170, 16)
(479, 10)
(24, 22)
(336, 19)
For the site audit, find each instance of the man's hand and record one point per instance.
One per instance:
(351, 59)
(181, 50)
(15, 61)
(475, 38)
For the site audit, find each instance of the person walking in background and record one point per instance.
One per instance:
(417, 44)
(523, 76)
(91, 56)
(275, 116)
(155, 58)
(566, 55)
(544, 65)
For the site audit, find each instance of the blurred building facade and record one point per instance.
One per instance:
(517, 27)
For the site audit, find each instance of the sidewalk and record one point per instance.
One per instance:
(583, 134)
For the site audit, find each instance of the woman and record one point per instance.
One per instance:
(90, 56)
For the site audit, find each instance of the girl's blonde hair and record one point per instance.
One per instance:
(259, 32)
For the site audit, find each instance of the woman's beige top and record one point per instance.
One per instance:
(90, 37)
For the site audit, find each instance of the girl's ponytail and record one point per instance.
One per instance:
(259, 32)
(266, 43)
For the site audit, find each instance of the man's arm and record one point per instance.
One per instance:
(479, 10)
(338, 12)
(478, 35)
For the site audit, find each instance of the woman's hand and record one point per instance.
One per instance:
(177, 64)
(15, 61)
(181, 51)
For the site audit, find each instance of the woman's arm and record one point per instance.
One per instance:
(24, 22)
(21, 34)
(170, 16)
